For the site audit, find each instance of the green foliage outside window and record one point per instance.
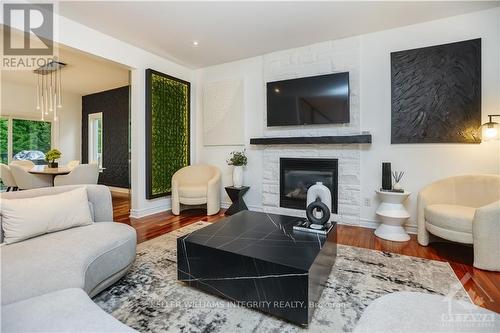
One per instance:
(30, 135)
(4, 123)
(167, 112)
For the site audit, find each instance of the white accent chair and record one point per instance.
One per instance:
(72, 164)
(196, 185)
(81, 174)
(463, 209)
(27, 164)
(26, 181)
(7, 179)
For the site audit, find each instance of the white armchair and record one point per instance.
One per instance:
(463, 209)
(7, 178)
(196, 185)
(25, 180)
(81, 174)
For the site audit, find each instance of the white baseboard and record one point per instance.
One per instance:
(138, 213)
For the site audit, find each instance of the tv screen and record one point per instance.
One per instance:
(311, 100)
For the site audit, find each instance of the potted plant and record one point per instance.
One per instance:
(51, 156)
(237, 159)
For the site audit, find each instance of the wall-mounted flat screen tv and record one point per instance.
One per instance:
(322, 99)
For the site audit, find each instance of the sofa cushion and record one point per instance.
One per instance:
(82, 257)
(193, 191)
(450, 217)
(30, 217)
(67, 310)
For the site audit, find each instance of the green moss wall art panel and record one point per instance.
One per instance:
(167, 131)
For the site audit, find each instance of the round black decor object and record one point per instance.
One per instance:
(320, 206)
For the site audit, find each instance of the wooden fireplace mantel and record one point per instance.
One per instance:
(309, 140)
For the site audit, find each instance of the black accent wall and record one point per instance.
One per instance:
(114, 105)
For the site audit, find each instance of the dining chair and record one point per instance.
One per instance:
(25, 180)
(81, 174)
(72, 164)
(26, 164)
(7, 178)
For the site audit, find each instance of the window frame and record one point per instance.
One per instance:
(10, 126)
(92, 150)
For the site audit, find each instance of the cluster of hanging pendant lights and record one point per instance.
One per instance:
(49, 89)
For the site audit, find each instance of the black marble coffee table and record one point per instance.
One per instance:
(259, 261)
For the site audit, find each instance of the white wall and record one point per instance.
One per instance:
(423, 163)
(20, 100)
(253, 89)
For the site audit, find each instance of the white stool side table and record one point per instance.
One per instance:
(393, 215)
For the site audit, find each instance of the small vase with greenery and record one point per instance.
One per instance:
(51, 156)
(238, 159)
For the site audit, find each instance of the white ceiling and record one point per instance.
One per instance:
(84, 74)
(229, 31)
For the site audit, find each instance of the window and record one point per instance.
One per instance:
(95, 138)
(24, 139)
(31, 139)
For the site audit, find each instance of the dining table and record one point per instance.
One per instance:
(45, 170)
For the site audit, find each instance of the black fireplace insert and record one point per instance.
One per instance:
(298, 174)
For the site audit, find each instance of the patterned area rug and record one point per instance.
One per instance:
(150, 299)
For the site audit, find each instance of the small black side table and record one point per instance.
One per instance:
(236, 195)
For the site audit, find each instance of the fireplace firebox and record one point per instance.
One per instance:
(298, 174)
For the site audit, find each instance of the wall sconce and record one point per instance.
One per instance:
(491, 129)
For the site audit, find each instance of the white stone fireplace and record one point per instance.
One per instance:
(317, 59)
(348, 201)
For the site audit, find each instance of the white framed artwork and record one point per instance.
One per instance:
(223, 113)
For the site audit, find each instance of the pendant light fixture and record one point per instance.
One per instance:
(491, 129)
(49, 89)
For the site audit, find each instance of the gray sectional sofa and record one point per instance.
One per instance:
(47, 280)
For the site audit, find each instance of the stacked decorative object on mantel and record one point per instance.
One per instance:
(391, 211)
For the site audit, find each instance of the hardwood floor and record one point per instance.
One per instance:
(158, 224)
(482, 286)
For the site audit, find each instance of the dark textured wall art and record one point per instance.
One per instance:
(114, 105)
(436, 94)
(167, 130)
